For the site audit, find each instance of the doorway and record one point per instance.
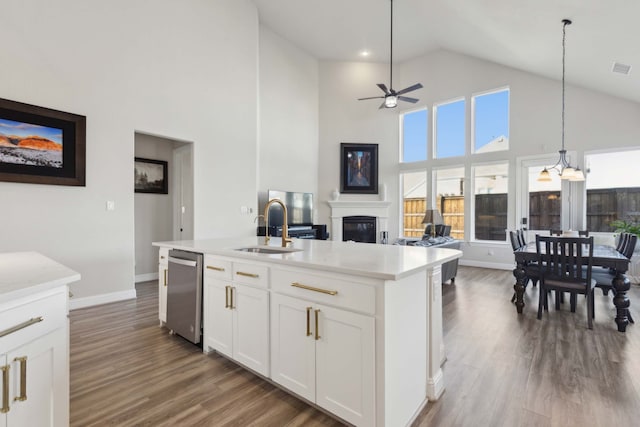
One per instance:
(163, 217)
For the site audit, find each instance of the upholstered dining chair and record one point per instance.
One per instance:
(561, 261)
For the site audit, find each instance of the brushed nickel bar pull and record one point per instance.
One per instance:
(22, 325)
(317, 334)
(231, 288)
(5, 389)
(308, 321)
(311, 288)
(23, 378)
(226, 297)
(211, 267)
(165, 276)
(242, 273)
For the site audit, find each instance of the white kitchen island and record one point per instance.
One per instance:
(34, 340)
(353, 328)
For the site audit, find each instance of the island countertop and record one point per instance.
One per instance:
(25, 273)
(386, 262)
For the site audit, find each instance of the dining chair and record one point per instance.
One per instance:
(531, 268)
(583, 233)
(622, 241)
(553, 232)
(521, 238)
(561, 261)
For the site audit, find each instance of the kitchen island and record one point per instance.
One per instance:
(34, 340)
(353, 328)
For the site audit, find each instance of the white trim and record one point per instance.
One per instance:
(484, 264)
(435, 386)
(146, 277)
(75, 303)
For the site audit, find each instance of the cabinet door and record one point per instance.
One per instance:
(162, 291)
(44, 394)
(3, 365)
(345, 364)
(218, 317)
(292, 350)
(251, 328)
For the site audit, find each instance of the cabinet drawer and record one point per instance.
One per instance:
(32, 317)
(251, 274)
(329, 290)
(217, 268)
(163, 256)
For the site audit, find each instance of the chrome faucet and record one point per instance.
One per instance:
(285, 229)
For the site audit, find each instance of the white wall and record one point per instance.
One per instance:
(288, 116)
(153, 212)
(186, 70)
(593, 121)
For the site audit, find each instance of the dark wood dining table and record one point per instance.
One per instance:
(603, 256)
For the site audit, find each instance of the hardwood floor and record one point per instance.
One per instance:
(501, 369)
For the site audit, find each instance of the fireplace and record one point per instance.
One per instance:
(378, 209)
(359, 229)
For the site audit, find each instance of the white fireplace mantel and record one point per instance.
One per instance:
(342, 208)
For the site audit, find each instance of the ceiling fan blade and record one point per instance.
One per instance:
(371, 97)
(409, 89)
(407, 99)
(384, 88)
(383, 105)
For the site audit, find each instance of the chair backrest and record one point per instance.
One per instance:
(427, 230)
(447, 231)
(630, 246)
(521, 239)
(566, 259)
(515, 243)
(622, 241)
(439, 229)
(555, 232)
(583, 233)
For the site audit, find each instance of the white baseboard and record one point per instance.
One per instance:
(75, 303)
(484, 264)
(146, 277)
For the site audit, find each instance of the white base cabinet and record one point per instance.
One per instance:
(163, 276)
(236, 316)
(325, 355)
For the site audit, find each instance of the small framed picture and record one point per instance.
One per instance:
(359, 168)
(151, 176)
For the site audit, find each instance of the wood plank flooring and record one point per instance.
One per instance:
(502, 369)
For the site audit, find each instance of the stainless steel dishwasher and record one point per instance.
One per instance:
(184, 294)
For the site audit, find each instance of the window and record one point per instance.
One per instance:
(545, 204)
(450, 129)
(490, 188)
(450, 198)
(414, 136)
(414, 203)
(613, 193)
(491, 122)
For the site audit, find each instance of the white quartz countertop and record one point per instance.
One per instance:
(25, 273)
(386, 262)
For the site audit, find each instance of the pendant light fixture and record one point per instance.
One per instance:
(563, 166)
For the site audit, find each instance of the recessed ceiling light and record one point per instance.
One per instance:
(621, 68)
(365, 53)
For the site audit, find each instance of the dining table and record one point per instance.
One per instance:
(603, 256)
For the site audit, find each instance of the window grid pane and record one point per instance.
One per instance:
(450, 199)
(491, 122)
(414, 202)
(450, 130)
(414, 136)
(491, 201)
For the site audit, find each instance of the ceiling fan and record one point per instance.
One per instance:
(391, 97)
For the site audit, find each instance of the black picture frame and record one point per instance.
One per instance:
(39, 145)
(150, 176)
(358, 168)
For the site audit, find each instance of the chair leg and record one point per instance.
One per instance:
(541, 301)
(513, 298)
(573, 299)
(558, 296)
(590, 301)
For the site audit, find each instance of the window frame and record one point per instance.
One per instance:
(401, 195)
(434, 128)
(472, 202)
(472, 130)
(401, 132)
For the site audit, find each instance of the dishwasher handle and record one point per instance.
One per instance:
(186, 262)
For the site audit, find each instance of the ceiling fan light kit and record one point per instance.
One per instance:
(391, 97)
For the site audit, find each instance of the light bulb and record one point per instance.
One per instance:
(390, 101)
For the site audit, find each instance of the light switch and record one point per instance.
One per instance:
(111, 205)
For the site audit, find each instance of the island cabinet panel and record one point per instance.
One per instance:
(325, 355)
(34, 360)
(236, 315)
(163, 276)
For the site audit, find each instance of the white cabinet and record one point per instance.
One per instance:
(236, 316)
(163, 270)
(325, 355)
(34, 361)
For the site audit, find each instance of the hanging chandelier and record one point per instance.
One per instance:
(562, 166)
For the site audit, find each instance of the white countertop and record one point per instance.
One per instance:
(25, 273)
(387, 262)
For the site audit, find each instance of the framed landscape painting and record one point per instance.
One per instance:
(150, 176)
(359, 168)
(41, 146)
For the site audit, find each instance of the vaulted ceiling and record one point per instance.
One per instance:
(523, 34)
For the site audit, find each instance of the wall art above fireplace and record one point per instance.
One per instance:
(359, 168)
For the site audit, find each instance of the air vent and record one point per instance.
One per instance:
(621, 68)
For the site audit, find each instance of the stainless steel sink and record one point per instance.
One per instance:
(267, 250)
